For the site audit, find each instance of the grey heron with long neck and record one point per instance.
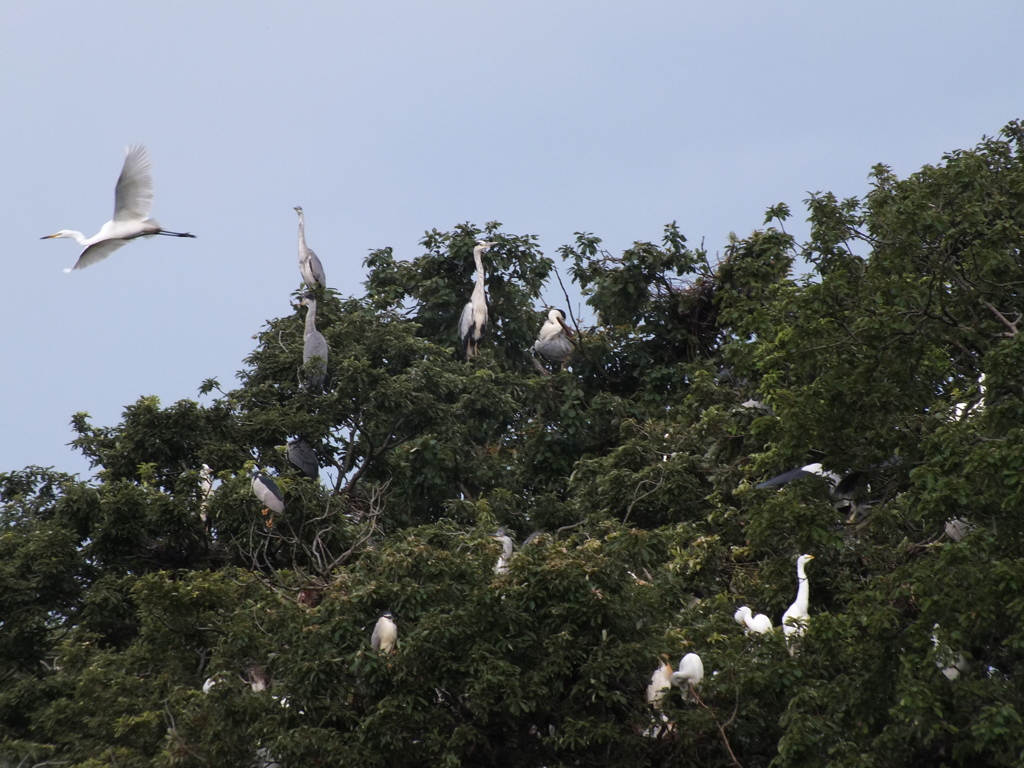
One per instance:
(314, 345)
(473, 321)
(309, 264)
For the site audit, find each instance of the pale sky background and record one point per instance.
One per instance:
(387, 119)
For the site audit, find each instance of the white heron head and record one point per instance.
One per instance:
(63, 233)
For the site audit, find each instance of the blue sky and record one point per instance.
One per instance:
(387, 119)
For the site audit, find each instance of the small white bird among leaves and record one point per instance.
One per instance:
(385, 634)
(690, 673)
(759, 624)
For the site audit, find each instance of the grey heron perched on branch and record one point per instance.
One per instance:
(270, 496)
(133, 200)
(385, 634)
(553, 342)
(794, 620)
(473, 321)
(309, 264)
(506, 549)
(314, 345)
(302, 456)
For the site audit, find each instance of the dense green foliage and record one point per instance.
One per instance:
(895, 360)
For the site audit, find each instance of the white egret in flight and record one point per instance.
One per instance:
(309, 264)
(133, 200)
(794, 620)
(473, 322)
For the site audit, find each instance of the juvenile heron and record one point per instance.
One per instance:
(661, 683)
(759, 624)
(506, 550)
(302, 456)
(268, 493)
(553, 342)
(314, 345)
(794, 620)
(473, 322)
(385, 634)
(309, 264)
(133, 200)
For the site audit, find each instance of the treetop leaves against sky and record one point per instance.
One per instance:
(884, 350)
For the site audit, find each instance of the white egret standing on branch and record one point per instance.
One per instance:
(133, 200)
(309, 264)
(506, 550)
(758, 624)
(794, 620)
(691, 672)
(473, 322)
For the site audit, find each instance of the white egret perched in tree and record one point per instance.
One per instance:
(758, 624)
(133, 200)
(794, 620)
(385, 634)
(473, 322)
(309, 264)
(691, 672)
(553, 340)
(314, 345)
(205, 492)
(506, 550)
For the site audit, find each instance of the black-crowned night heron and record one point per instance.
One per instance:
(385, 634)
(268, 493)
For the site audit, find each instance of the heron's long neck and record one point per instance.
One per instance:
(803, 590)
(302, 234)
(479, 266)
(310, 316)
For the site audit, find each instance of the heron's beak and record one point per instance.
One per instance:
(566, 328)
(47, 237)
(810, 557)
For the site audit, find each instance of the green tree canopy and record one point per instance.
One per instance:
(884, 349)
